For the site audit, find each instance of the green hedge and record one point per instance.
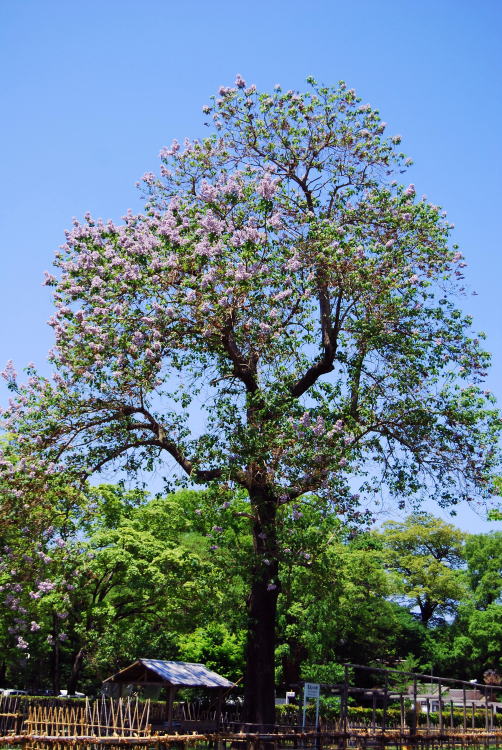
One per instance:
(331, 712)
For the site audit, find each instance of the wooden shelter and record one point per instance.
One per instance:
(172, 675)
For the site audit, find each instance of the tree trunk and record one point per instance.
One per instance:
(56, 673)
(76, 668)
(292, 662)
(427, 609)
(259, 676)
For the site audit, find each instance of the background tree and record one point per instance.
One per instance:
(335, 605)
(483, 554)
(426, 554)
(283, 287)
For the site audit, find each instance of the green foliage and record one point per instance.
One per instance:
(166, 577)
(216, 647)
(425, 554)
(483, 554)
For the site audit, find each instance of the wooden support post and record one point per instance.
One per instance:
(345, 705)
(385, 701)
(464, 703)
(414, 715)
(218, 709)
(170, 701)
(440, 697)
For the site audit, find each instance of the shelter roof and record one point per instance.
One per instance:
(179, 673)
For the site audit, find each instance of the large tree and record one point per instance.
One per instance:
(280, 319)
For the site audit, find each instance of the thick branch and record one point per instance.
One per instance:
(160, 440)
(244, 370)
(329, 335)
(356, 382)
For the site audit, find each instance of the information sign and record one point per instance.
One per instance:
(311, 690)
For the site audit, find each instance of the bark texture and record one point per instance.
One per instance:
(259, 678)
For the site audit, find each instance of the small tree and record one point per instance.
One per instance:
(280, 319)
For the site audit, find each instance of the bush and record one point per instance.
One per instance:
(329, 710)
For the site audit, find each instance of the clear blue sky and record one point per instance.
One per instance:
(92, 90)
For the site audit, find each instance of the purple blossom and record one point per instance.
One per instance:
(34, 626)
(319, 426)
(267, 187)
(49, 279)
(208, 192)
(293, 264)
(165, 152)
(271, 587)
(240, 82)
(282, 295)
(45, 586)
(305, 419)
(275, 221)
(9, 373)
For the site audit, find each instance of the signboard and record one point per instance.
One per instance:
(311, 690)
